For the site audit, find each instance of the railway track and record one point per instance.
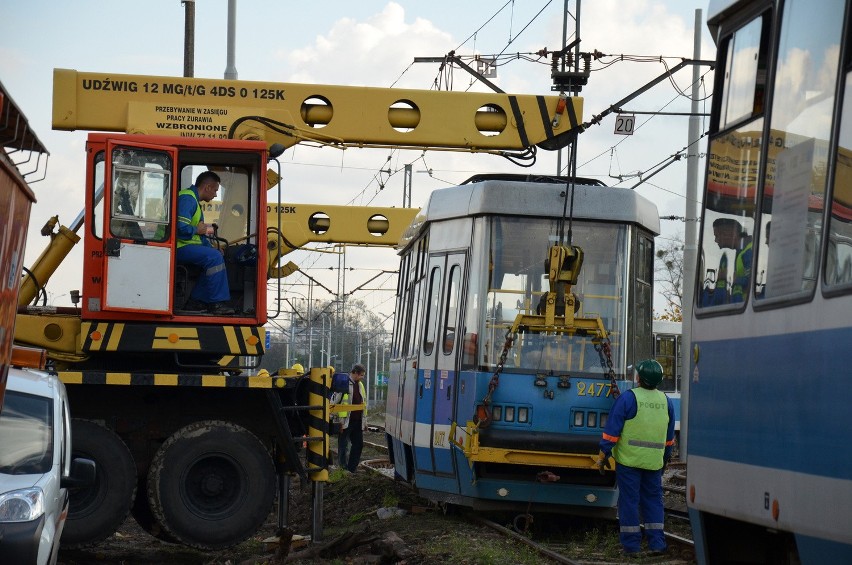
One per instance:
(559, 549)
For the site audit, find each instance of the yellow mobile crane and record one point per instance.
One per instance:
(181, 437)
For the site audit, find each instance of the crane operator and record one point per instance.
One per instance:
(211, 292)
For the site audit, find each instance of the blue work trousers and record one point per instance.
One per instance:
(355, 435)
(342, 447)
(213, 285)
(640, 492)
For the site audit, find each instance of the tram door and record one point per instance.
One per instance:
(436, 391)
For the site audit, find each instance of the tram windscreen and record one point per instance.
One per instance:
(517, 283)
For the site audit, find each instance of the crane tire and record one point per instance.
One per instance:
(141, 512)
(97, 511)
(211, 484)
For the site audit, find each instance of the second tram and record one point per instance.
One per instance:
(474, 261)
(769, 477)
(667, 351)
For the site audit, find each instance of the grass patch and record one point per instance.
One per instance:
(390, 499)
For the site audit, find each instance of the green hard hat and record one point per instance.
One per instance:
(650, 372)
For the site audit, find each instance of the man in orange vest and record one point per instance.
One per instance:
(639, 433)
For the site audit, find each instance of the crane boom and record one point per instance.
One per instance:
(289, 113)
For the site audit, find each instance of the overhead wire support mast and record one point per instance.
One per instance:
(596, 119)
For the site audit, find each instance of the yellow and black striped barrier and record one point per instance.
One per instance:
(260, 381)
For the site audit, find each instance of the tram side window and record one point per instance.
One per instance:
(403, 311)
(641, 346)
(838, 261)
(418, 294)
(665, 354)
(800, 126)
(733, 168)
(433, 303)
(744, 81)
(451, 315)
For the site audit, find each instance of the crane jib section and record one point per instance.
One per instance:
(288, 113)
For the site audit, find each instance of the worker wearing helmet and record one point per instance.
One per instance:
(639, 433)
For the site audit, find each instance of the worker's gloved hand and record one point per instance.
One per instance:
(603, 458)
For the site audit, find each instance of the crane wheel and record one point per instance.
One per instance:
(143, 515)
(211, 484)
(97, 511)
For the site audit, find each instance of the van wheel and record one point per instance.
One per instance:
(95, 512)
(211, 484)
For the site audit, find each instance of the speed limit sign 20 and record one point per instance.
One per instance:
(624, 124)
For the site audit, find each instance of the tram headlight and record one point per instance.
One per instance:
(604, 416)
(497, 413)
(579, 419)
(523, 415)
(509, 414)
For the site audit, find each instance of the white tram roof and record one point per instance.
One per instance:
(513, 197)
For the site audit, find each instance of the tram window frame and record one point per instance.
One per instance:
(451, 310)
(433, 306)
(643, 295)
(738, 132)
(843, 131)
(417, 273)
(735, 61)
(799, 225)
(402, 306)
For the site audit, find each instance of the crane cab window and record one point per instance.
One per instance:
(230, 211)
(139, 204)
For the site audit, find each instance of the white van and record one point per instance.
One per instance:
(36, 468)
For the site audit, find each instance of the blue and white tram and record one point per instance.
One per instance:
(770, 478)
(667, 351)
(475, 260)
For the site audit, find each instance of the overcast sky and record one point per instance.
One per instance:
(369, 43)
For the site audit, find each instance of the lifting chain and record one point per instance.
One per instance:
(495, 379)
(604, 349)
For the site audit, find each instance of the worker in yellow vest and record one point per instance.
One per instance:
(211, 292)
(639, 433)
(353, 424)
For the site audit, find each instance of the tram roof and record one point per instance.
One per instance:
(513, 197)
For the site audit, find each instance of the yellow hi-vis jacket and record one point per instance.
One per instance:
(344, 416)
(643, 440)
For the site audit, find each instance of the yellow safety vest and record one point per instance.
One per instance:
(196, 217)
(642, 442)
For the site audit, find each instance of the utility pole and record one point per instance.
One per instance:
(188, 38)
(231, 68)
(406, 187)
(562, 68)
(690, 249)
